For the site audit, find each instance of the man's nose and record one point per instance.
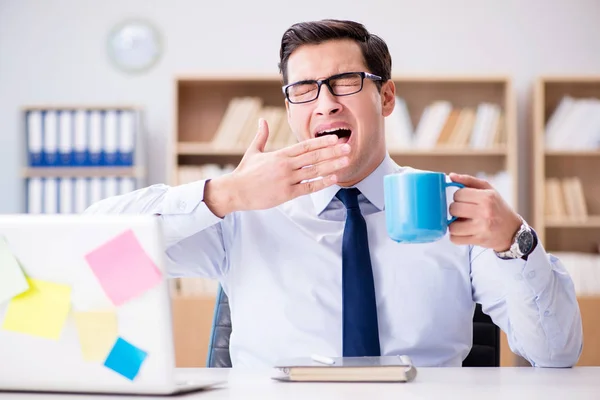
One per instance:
(327, 103)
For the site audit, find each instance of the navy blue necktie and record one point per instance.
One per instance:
(360, 331)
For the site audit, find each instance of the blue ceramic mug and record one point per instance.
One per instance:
(416, 207)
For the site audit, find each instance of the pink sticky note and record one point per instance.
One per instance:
(123, 268)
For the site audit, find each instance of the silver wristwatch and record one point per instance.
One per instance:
(523, 243)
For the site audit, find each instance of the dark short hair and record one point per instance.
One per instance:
(374, 50)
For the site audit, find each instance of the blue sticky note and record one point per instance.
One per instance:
(125, 359)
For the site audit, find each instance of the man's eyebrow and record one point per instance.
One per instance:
(304, 80)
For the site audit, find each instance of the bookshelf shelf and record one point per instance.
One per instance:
(89, 172)
(589, 222)
(570, 153)
(556, 204)
(201, 103)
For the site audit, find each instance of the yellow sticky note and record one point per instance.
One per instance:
(97, 332)
(40, 311)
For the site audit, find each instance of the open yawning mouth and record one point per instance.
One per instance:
(339, 132)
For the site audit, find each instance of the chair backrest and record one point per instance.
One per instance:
(484, 353)
(486, 342)
(218, 347)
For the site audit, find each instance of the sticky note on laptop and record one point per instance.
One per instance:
(123, 268)
(40, 311)
(97, 331)
(12, 279)
(125, 359)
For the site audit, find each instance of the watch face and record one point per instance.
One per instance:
(525, 242)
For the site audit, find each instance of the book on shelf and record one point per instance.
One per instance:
(574, 125)
(398, 126)
(239, 124)
(443, 125)
(565, 199)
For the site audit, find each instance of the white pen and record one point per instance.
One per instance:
(322, 359)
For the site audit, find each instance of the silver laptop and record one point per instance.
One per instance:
(85, 306)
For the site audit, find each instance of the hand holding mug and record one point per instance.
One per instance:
(484, 218)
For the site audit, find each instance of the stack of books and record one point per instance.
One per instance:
(443, 125)
(565, 200)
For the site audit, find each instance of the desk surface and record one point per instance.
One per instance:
(431, 383)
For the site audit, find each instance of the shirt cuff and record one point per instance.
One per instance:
(533, 275)
(183, 199)
(184, 212)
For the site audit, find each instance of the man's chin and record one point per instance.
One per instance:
(345, 176)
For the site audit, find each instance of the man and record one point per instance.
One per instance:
(307, 263)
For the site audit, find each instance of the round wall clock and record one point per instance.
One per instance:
(134, 46)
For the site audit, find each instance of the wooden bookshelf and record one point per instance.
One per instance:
(200, 103)
(568, 233)
(564, 233)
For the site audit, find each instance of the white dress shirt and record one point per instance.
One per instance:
(282, 271)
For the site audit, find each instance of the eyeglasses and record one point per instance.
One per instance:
(339, 85)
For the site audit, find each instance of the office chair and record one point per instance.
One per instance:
(484, 353)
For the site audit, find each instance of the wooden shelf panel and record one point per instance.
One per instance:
(570, 153)
(592, 221)
(83, 172)
(205, 148)
(571, 239)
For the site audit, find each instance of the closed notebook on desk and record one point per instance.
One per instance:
(347, 369)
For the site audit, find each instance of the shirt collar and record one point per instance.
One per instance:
(371, 187)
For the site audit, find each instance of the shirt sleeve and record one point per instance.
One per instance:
(192, 233)
(533, 302)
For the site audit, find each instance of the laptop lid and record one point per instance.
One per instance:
(84, 305)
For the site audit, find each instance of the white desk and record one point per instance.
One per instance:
(431, 383)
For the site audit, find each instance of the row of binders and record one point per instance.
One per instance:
(60, 195)
(81, 138)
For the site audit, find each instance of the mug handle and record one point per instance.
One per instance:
(447, 185)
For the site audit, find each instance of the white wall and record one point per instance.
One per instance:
(53, 51)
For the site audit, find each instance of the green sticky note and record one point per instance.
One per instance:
(12, 279)
(40, 311)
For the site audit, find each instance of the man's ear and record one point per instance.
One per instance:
(388, 97)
